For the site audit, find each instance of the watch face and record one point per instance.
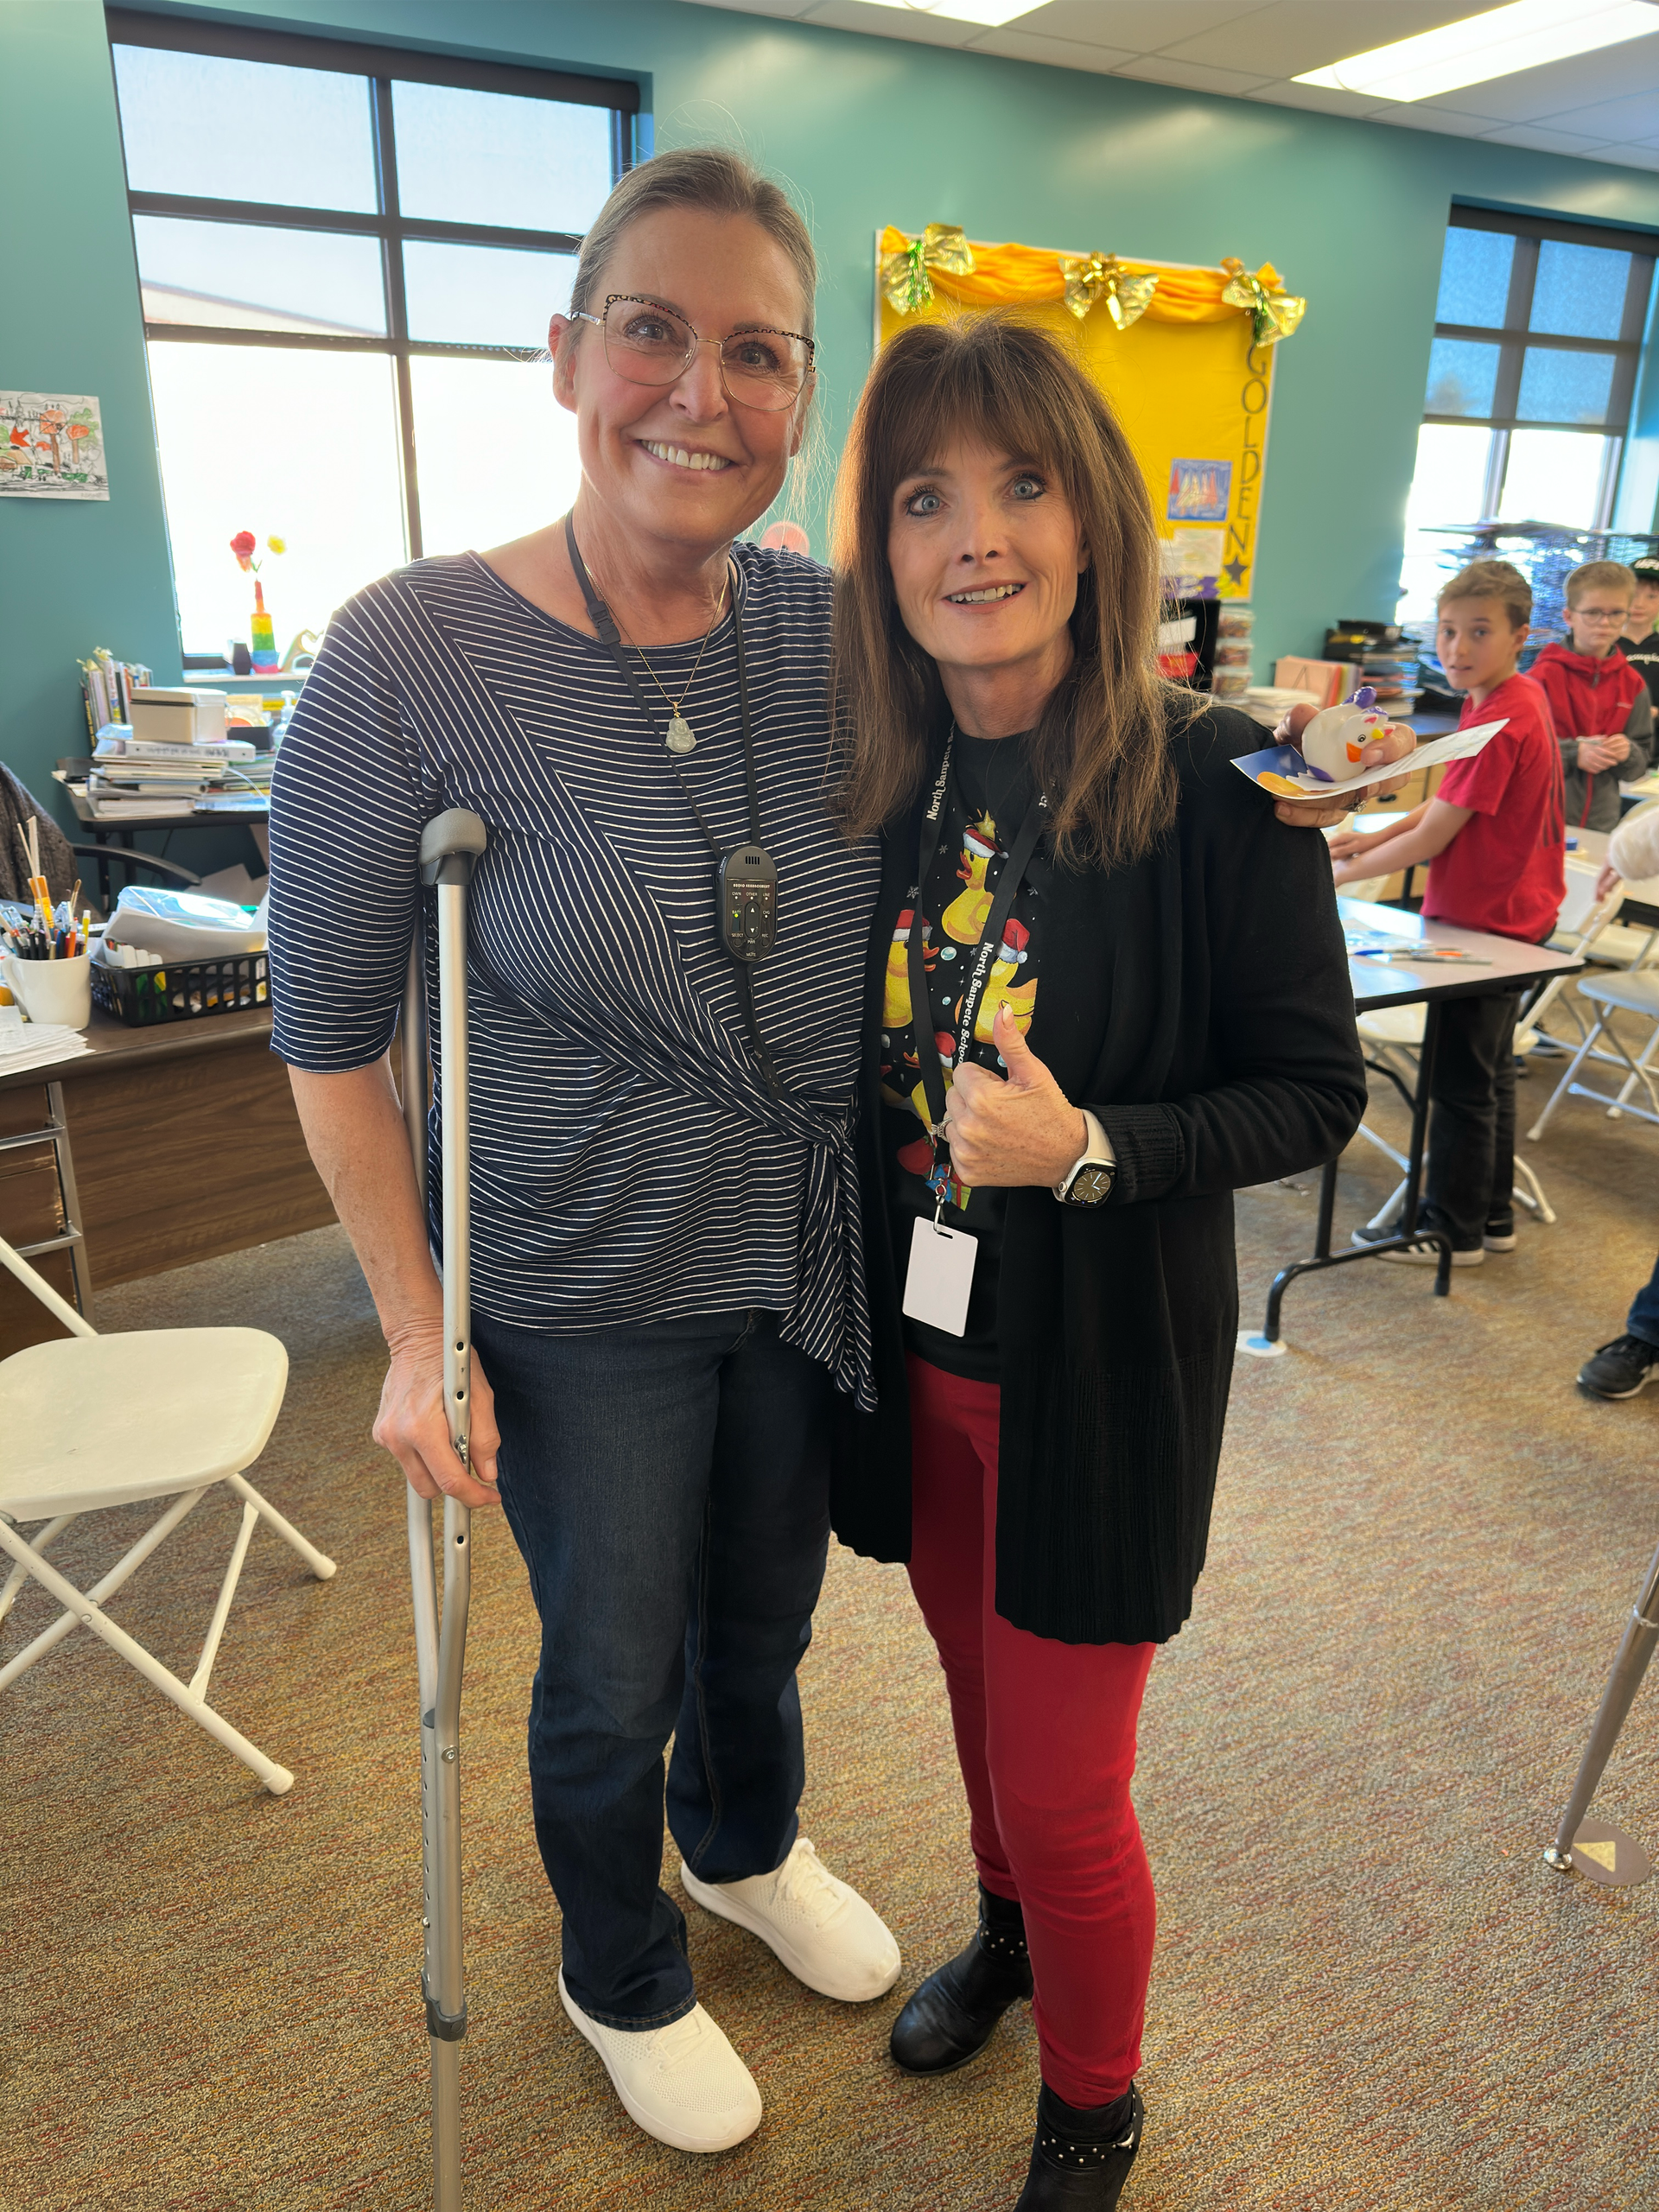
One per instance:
(1091, 1186)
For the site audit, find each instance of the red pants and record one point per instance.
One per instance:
(1046, 1735)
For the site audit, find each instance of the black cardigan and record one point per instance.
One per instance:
(1198, 1002)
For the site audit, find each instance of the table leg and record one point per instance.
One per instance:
(1268, 1342)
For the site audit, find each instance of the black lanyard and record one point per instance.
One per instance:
(1007, 890)
(605, 622)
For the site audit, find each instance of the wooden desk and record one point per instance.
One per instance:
(185, 1145)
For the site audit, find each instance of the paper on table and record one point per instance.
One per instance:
(36, 1044)
(1281, 770)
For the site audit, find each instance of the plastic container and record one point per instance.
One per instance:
(184, 990)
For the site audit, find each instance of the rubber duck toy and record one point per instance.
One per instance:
(1333, 741)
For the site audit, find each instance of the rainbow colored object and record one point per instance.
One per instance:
(261, 639)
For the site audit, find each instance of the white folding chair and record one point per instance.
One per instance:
(91, 1422)
(1636, 993)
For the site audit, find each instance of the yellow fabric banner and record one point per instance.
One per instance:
(1189, 383)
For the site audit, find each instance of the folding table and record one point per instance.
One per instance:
(1377, 983)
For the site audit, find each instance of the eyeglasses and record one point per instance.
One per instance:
(1600, 613)
(649, 344)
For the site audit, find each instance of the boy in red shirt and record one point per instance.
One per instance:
(1599, 703)
(1494, 836)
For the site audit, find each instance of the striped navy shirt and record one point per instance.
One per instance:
(628, 1163)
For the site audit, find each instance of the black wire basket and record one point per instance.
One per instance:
(181, 990)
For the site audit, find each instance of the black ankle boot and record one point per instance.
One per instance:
(1081, 2159)
(950, 2017)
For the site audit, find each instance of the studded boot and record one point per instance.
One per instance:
(1081, 2159)
(951, 2017)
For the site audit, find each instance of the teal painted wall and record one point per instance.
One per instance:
(870, 131)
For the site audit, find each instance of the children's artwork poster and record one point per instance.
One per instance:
(1192, 395)
(51, 446)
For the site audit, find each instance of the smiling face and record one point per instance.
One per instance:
(680, 464)
(985, 554)
(1477, 646)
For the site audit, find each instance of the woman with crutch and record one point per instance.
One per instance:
(1107, 988)
(666, 1273)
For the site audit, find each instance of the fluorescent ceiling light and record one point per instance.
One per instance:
(1525, 35)
(990, 15)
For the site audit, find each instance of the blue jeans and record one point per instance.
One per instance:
(1645, 1313)
(668, 1486)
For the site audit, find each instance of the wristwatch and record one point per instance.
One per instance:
(1088, 1181)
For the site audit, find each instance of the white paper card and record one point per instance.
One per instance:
(941, 1275)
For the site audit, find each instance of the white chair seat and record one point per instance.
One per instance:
(1395, 1024)
(93, 1421)
(1638, 994)
(104, 1420)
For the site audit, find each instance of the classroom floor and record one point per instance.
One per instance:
(1368, 1991)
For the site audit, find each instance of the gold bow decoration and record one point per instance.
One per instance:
(1275, 313)
(906, 283)
(1091, 278)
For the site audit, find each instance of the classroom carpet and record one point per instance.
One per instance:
(1368, 1990)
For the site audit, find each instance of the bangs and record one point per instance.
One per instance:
(944, 393)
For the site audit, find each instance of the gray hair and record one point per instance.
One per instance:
(707, 177)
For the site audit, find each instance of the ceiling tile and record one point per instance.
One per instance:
(1630, 119)
(1531, 94)
(1059, 52)
(890, 22)
(1291, 35)
(1540, 141)
(1138, 26)
(1420, 115)
(785, 8)
(1190, 76)
(1281, 93)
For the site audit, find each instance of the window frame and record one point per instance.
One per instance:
(1514, 340)
(382, 65)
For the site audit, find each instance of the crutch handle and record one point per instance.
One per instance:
(456, 835)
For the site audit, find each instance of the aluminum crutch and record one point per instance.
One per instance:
(1591, 1847)
(450, 846)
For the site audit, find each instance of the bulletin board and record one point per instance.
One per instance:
(1187, 364)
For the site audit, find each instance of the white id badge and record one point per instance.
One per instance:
(941, 1275)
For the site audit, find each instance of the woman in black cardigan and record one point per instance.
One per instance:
(1137, 1003)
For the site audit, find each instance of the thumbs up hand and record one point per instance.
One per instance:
(1022, 1130)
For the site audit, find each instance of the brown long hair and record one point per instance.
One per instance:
(1101, 749)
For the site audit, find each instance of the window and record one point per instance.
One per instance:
(1537, 338)
(347, 257)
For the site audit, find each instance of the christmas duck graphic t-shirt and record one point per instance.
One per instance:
(989, 791)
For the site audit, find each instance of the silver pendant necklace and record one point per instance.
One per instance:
(682, 738)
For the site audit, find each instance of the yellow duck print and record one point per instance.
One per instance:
(964, 917)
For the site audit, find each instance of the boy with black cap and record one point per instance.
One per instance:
(1640, 643)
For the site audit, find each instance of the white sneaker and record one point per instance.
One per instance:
(684, 2083)
(821, 1929)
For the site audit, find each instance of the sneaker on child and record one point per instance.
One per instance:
(1621, 1369)
(1415, 1256)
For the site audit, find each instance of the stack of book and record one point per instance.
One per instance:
(107, 686)
(138, 777)
(1387, 659)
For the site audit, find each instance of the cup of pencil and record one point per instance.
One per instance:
(47, 959)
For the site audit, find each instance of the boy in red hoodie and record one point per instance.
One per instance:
(1495, 841)
(1599, 703)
